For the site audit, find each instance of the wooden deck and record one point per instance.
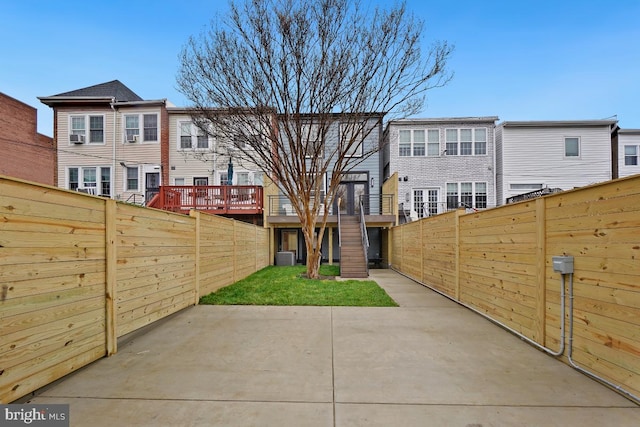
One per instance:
(217, 199)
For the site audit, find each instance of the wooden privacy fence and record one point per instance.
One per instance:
(79, 271)
(499, 262)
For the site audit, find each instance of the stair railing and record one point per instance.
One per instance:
(365, 236)
(339, 227)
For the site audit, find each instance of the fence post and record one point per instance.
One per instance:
(111, 264)
(459, 213)
(541, 251)
(422, 250)
(196, 214)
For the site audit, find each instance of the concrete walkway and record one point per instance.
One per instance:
(428, 363)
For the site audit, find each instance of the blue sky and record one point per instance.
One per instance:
(518, 59)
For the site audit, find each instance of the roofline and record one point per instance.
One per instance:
(434, 120)
(629, 131)
(54, 100)
(141, 103)
(557, 123)
(50, 100)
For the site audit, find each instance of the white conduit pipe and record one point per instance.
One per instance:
(627, 394)
(616, 387)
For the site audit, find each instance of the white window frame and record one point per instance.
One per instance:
(86, 130)
(96, 188)
(426, 145)
(474, 194)
(140, 130)
(631, 156)
(312, 129)
(126, 179)
(357, 149)
(425, 201)
(474, 141)
(579, 155)
(195, 134)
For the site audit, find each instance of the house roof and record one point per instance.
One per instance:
(109, 91)
(557, 123)
(629, 131)
(114, 89)
(437, 120)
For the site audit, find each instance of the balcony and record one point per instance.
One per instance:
(214, 199)
(378, 210)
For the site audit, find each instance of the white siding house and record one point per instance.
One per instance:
(533, 155)
(197, 158)
(628, 152)
(442, 163)
(109, 141)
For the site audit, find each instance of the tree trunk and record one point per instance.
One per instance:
(314, 252)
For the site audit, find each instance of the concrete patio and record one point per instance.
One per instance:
(430, 362)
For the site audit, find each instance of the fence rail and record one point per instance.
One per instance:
(499, 262)
(79, 271)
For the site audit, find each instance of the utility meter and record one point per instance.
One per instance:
(563, 264)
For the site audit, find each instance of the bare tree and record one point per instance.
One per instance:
(275, 77)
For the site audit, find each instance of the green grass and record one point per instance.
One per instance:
(284, 286)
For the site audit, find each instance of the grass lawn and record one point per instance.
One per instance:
(284, 286)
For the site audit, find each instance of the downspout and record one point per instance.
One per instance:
(113, 157)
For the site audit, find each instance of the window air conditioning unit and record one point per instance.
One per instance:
(132, 138)
(76, 139)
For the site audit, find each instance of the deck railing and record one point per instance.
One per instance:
(218, 199)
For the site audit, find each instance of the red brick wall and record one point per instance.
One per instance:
(26, 154)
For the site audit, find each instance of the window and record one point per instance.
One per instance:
(78, 126)
(178, 181)
(433, 142)
(452, 142)
(132, 178)
(105, 181)
(73, 179)
(418, 143)
(527, 187)
(202, 139)
(404, 147)
(352, 138)
(481, 195)
(223, 178)
(480, 146)
(466, 142)
(631, 155)
(96, 127)
(452, 196)
(314, 144)
(467, 195)
(425, 202)
(572, 147)
(201, 181)
(149, 127)
(258, 178)
(242, 178)
(185, 136)
(86, 179)
(191, 136)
